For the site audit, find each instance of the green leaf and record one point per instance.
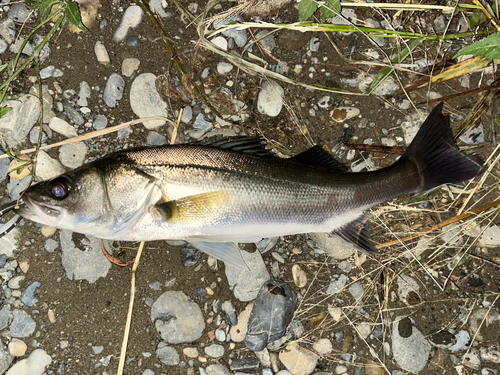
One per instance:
(46, 8)
(4, 111)
(329, 9)
(307, 9)
(488, 47)
(477, 18)
(73, 15)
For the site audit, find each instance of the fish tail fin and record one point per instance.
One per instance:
(437, 156)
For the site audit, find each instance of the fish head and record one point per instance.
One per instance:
(75, 201)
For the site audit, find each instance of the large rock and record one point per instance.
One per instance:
(145, 100)
(178, 319)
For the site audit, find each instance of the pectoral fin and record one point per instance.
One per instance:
(228, 252)
(357, 234)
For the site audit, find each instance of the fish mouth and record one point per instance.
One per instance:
(40, 212)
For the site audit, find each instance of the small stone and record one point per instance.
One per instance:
(178, 319)
(145, 100)
(298, 360)
(84, 94)
(336, 284)
(73, 155)
(214, 350)
(15, 282)
(22, 324)
(220, 335)
(245, 365)
(19, 12)
(155, 139)
(220, 42)
(224, 67)
(8, 30)
(270, 99)
(129, 66)
(333, 246)
(239, 331)
(48, 168)
(246, 284)
(342, 114)
(24, 265)
(5, 317)
(167, 354)
(187, 115)
(17, 348)
(410, 348)
(190, 352)
(134, 41)
(51, 314)
(28, 296)
(323, 346)
(228, 308)
(101, 53)
(20, 168)
(132, 17)
(74, 115)
(216, 370)
(97, 349)
(35, 364)
(201, 123)
(299, 276)
(62, 127)
(239, 36)
(113, 92)
(100, 122)
(314, 44)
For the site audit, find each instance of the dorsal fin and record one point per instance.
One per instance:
(255, 146)
(319, 157)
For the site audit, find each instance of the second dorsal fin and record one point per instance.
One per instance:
(255, 146)
(319, 157)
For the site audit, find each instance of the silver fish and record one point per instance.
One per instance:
(229, 192)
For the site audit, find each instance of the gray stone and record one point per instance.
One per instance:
(22, 324)
(485, 323)
(178, 319)
(16, 124)
(100, 122)
(83, 265)
(156, 6)
(35, 136)
(167, 354)
(239, 36)
(97, 349)
(462, 341)
(5, 358)
(201, 123)
(4, 167)
(245, 365)
(246, 284)
(333, 246)
(314, 44)
(187, 115)
(62, 127)
(266, 244)
(84, 94)
(113, 92)
(8, 30)
(345, 266)
(8, 242)
(214, 350)
(5, 318)
(73, 155)
(155, 285)
(156, 139)
(47, 167)
(16, 187)
(410, 348)
(356, 291)
(16, 47)
(228, 308)
(19, 12)
(28, 296)
(145, 100)
(50, 71)
(217, 370)
(220, 335)
(134, 41)
(336, 284)
(15, 282)
(73, 115)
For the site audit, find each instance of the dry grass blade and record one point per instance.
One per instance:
(441, 225)
(130, 309)
(462, 68)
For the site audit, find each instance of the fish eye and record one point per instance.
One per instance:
(59, 187)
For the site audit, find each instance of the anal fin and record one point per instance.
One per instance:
(228, 252)
(357, 234)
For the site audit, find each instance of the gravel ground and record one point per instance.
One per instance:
(429, 309)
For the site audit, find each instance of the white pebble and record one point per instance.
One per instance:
(224, 67)
(270, 99)
(130, 20)
(101, 53)
(17, 348)
(62, 127)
